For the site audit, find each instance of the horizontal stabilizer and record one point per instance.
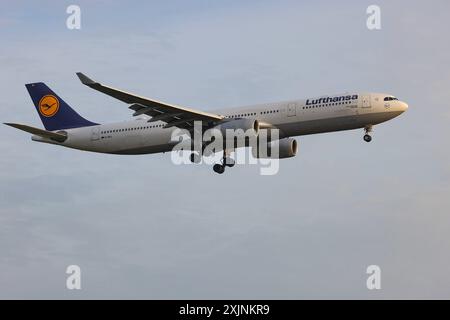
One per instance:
(59, 137)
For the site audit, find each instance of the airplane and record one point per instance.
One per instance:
(151, 130)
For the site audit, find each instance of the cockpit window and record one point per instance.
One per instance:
(390, 98)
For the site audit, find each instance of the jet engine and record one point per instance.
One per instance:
(244, 124)
(286, 147)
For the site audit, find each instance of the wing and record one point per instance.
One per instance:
(174, 116)
(60, 137)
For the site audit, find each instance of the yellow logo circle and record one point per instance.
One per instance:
(48, 106)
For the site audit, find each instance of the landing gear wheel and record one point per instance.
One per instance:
(367, 130)
(229, 162)
(195, 158)
(218, 168)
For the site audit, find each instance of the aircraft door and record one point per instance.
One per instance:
(95, 133)
(291, 109)
(366, 101)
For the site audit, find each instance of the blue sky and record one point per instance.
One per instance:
(141, 227)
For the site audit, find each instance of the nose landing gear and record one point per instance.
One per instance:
(367, 137)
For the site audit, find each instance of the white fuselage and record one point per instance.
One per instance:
(293, 118)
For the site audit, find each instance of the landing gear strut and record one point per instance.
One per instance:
(367, 137)
(225, 162)
(195, 158)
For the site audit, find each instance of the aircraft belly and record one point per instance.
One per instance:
(335, 123)
(154, 142)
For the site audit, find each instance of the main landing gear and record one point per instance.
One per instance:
(367, 137)
(225, 162)
(195, 158)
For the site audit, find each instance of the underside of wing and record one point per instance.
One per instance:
(172, 115)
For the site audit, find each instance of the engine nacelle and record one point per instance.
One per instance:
(287, 148)
(244, 124)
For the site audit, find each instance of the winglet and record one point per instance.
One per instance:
(85, 80)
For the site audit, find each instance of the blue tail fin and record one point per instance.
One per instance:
(54, 112)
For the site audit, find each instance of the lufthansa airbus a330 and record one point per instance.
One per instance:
(151, 131)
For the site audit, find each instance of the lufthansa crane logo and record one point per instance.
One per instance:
(48, 106)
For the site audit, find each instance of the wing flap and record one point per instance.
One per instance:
(140, 109)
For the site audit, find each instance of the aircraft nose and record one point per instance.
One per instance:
(403, 106)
